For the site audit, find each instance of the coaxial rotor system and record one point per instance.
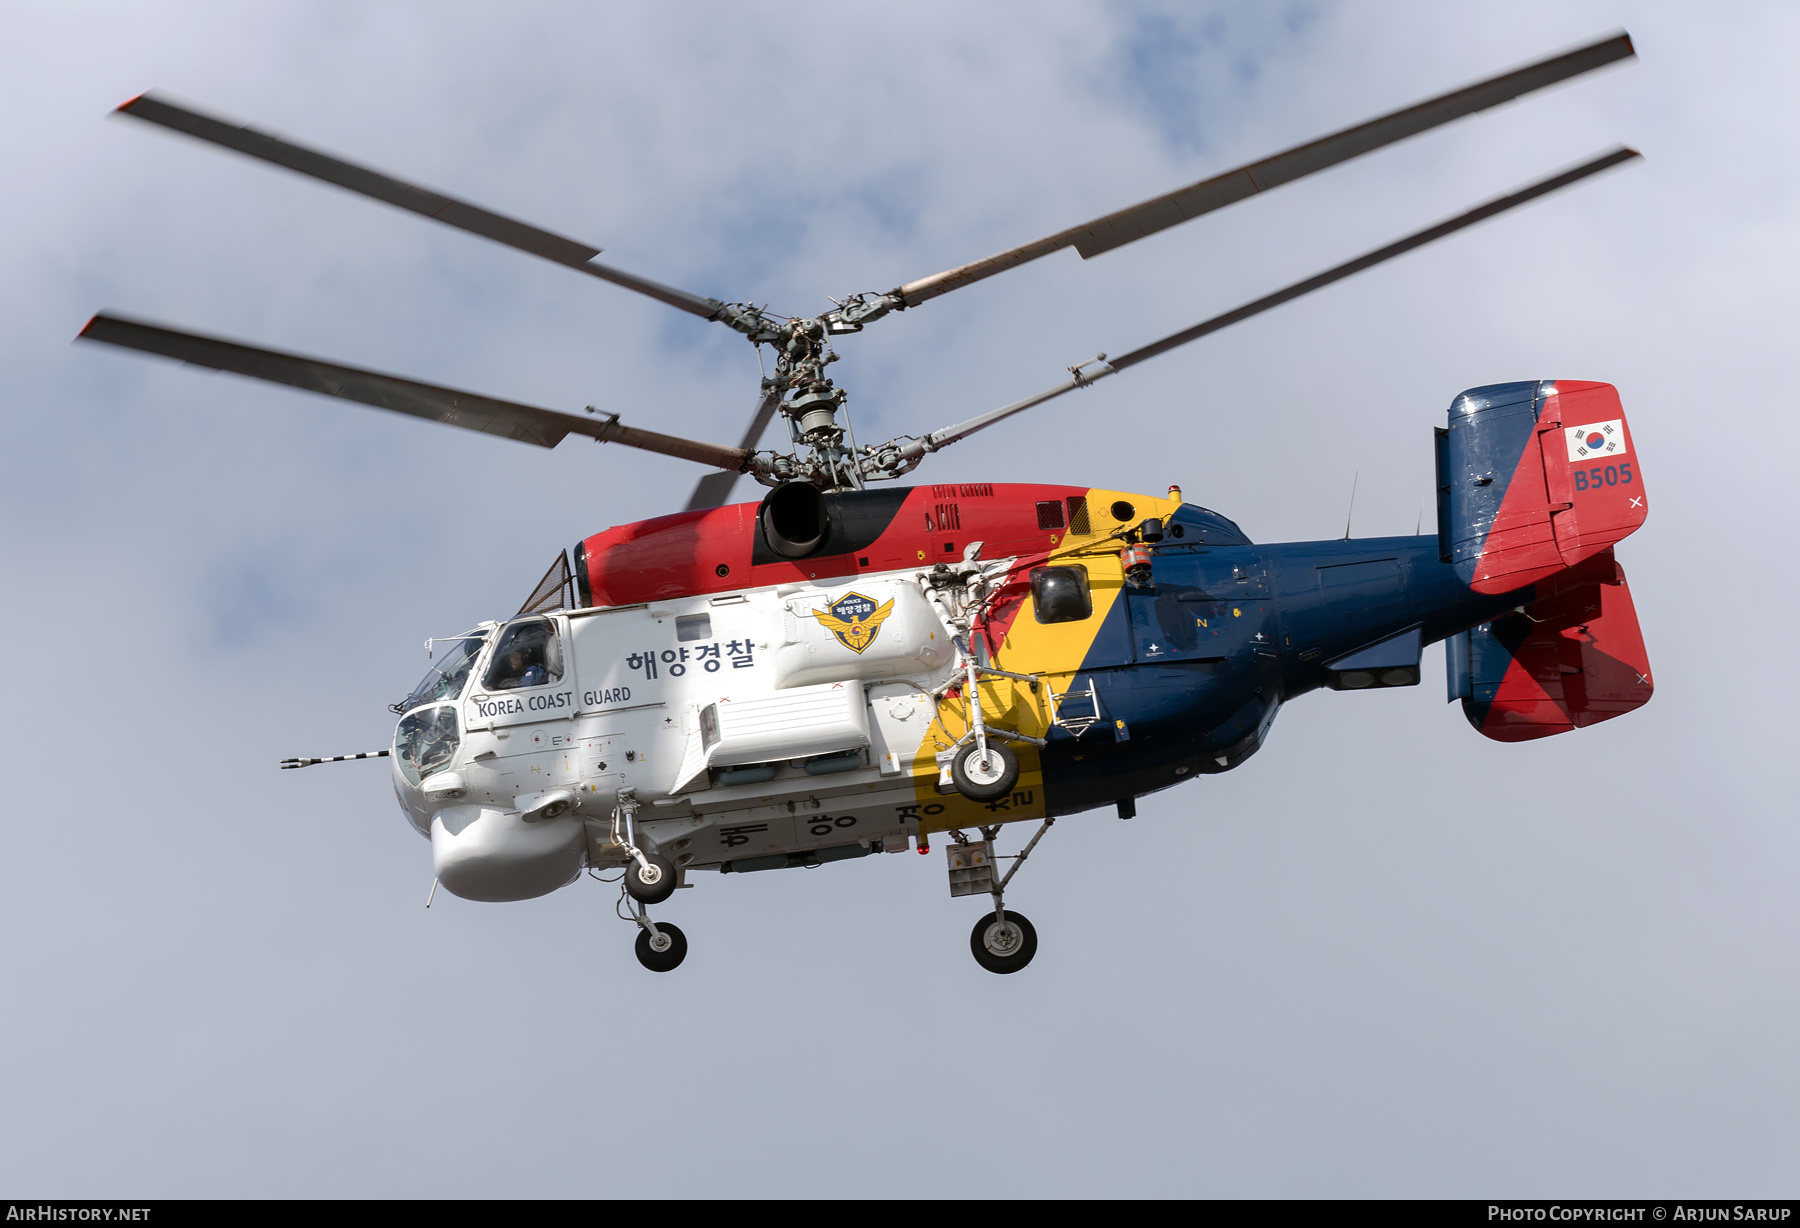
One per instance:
(821, 447)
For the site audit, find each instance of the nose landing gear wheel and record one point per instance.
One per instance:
(652, 883)
(664, 952)
(1003, 946)
(985, 778)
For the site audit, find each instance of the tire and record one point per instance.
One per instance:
(983, 941)
(662, 884)
(985, 782)
(668, 959)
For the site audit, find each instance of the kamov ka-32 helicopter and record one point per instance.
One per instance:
(846, 669)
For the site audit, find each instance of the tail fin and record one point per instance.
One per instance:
(1572, 658)
(1533, 478)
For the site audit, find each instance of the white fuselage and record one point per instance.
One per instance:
(748, 728)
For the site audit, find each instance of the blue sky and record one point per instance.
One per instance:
(1385, 957)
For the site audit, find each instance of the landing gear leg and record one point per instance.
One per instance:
(1003, 941)
(660, 948)
(649, 877)
(983, 768)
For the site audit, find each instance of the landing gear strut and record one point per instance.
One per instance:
(981, 767)
(650, 878)
(661, 948)
(1002, 941)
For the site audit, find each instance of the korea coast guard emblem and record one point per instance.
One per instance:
(855, 620)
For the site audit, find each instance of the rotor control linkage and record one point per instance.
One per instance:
(367, 754)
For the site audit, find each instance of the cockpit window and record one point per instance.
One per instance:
(426, 741)
(445, 681)
(529, 654)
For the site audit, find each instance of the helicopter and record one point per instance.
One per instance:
(846, 668)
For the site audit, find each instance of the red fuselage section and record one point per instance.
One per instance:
(722, 548)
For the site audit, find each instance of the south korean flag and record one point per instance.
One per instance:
(1596, 440)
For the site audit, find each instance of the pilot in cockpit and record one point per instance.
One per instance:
(519, 674)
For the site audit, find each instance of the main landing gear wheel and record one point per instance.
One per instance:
(1003, 946)
(651, 883)
(665, 951)
(985, 777)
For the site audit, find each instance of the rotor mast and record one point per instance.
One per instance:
(823, 451)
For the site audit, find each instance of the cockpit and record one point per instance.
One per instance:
(427, 737)
(447, 678)
(426, 741)
(529, 654)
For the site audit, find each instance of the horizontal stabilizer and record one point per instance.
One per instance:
(1392, 662)
(1572, 658)
(1533, 478)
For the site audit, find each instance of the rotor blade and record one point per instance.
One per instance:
(715, 488)
(962, 430)
(426, 203)
(1480, 213)
(526, 423)
(1117, 229)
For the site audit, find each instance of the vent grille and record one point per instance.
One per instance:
(1078, 514)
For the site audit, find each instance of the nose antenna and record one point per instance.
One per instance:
(367, 754)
